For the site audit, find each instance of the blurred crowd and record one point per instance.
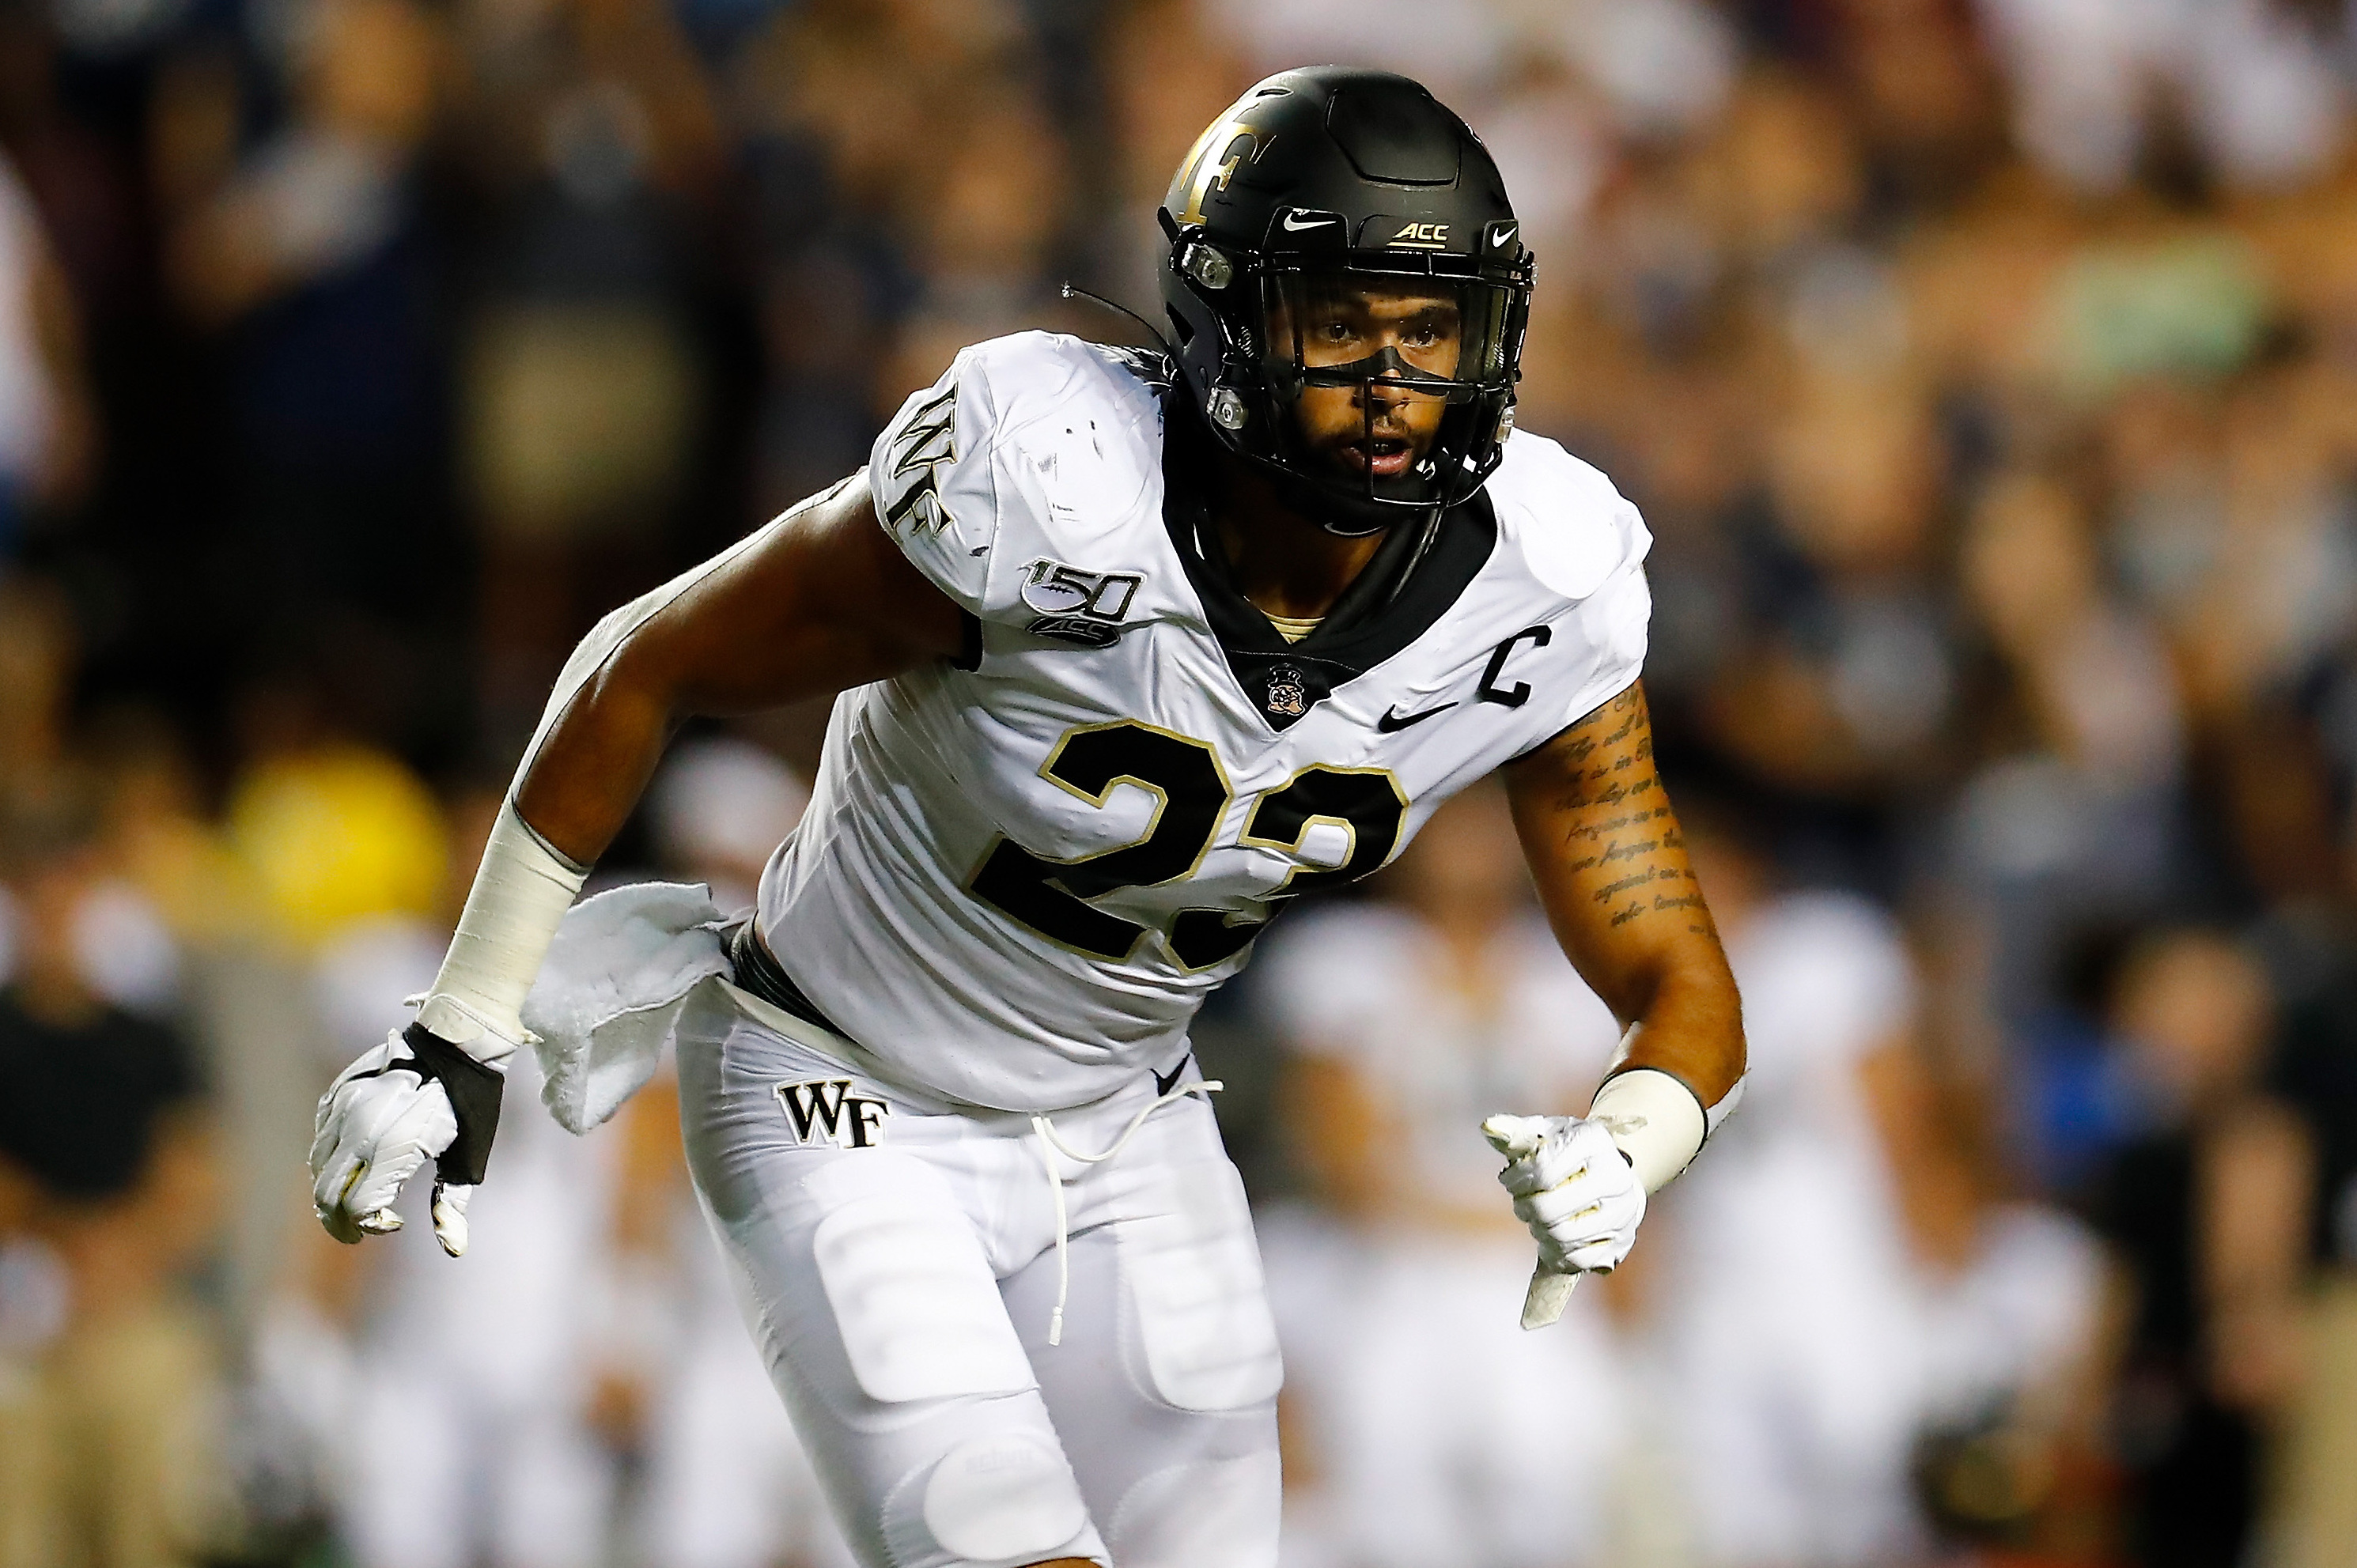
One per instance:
(1985, 368)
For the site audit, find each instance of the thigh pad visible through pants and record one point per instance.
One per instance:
(882, 1268)
(877, 1309)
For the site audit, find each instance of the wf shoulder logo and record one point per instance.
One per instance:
(922, 446)
(825, 1110)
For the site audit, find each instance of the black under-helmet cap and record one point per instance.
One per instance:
(1394, 132)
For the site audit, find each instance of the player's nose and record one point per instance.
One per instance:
(1385, 394)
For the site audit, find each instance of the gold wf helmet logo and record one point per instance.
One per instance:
(1213, 160)
(1424, 236)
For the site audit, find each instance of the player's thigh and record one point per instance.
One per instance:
(876, 1309)
(1164, 1386)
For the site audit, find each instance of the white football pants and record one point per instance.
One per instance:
(903, 1271)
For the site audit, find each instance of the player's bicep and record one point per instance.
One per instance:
(821, 601)
(1605, 850)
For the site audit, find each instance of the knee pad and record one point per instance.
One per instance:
(1222, 1512)
(1003, 1497)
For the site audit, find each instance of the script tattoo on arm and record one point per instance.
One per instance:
(1617, 834)
(1605, 848)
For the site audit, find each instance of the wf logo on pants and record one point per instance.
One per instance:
(825, 1108)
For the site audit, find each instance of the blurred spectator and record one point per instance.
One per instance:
(1429, 1419)
(1169, 71)
(315, 259)
(122, 946)
(159, 834)
(1664, 65)
(481, 1370)
(2209, 1217)
(932, 118)
(592, 130)
(721, 806)
(1839, 1277)
(2252, 81)
(333, 830)
(2078, 820)
(38, 645)
(112, 1374)
(2312, 952)
(48, 434)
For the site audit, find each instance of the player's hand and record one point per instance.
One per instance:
(1577, 1192)
(414, 1098)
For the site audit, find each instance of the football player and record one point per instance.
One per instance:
(1133, 649)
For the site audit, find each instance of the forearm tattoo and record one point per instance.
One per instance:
(1625, 851)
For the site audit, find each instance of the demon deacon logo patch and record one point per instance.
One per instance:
(1289, 692)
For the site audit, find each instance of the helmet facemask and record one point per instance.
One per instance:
(1373, 386)
(1380, 386)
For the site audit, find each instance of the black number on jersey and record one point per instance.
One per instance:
(1365, 802)
(1050, 897)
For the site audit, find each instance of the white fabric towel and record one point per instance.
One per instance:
(616, 980)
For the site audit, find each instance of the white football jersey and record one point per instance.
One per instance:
(1022, 872)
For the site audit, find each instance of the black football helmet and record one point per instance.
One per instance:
(1332, 179)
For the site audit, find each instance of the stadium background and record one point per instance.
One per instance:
(1985, 368)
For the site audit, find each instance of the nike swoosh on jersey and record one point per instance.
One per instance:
(1163, 1086)
(1393, 721)
(1293, 228)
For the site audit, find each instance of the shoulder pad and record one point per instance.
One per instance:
(1572, 526)
(1033, 448)
(1038, 380)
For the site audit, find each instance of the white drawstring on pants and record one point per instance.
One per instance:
(1051, 1145)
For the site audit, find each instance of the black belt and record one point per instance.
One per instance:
(758, 972)
(756, 969)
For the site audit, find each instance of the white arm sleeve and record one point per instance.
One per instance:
(1657, 1121)
(521, 893)
(1654, 1120)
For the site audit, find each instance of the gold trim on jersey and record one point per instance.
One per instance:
(1293, 849)
(1293, 628)
(1101, 800)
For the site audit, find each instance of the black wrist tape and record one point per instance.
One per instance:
(474, 1091)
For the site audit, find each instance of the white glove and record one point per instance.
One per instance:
(1580, 1196)
(385, 1116)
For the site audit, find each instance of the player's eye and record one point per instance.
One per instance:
(1428, 330)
